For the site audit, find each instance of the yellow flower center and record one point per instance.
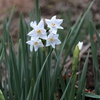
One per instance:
(51, 39)
(38, 31)
(35, 43)
(53, 24)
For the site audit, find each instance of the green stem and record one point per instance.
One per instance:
(37, 11)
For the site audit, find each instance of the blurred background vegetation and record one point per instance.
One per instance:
(68, 9)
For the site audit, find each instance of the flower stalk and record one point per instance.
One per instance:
(75, 60)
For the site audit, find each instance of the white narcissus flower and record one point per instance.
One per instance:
(38, 31)
(80, 45)
(54, 24)
(33, 24)
(36, 43)
(52, 40)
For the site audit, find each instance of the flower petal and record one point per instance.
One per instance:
(31, 33)
(36, 48)
(53, 45)
(60, 27)
(41, 24)
(54, 31)
(53, 18)
(59, 21)
(33, 24)
(31, 48)
(80, 44)
(29, 42)
(57, 41)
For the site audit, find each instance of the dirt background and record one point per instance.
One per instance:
(48, 8)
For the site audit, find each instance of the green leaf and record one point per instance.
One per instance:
(39, 76)
(77, 32)
(91, 95)
(56, 70)
(69, 34)
(1, 56)
(82, 80)
(64, 93)
(16, 73)
(10, 19)
(96, 32)
(94, 57)
(37, 10)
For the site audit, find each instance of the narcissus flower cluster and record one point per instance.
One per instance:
(39, 34)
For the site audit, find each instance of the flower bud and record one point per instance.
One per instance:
(75, 60)
(1, 96)
(80, 44)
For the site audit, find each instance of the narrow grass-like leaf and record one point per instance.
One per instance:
(5, 35)
(37, 10)
(82, 80)
(83, 95)
(96, 32)
(94, 57)
(25, 53)
(64, 93)
(5, 90)
(92, 95)
(31, 15)
(63, 84)
(10, 19)
(19, 59)
(68, 37)
(39, 76)
(16, 74)
(77, 32)
(10, 90)
(29, 94)
(71, 94)
(60, 53)
(1, 56)
(54, 77)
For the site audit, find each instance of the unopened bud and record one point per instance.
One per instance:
(76, 53)
(1, 96)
